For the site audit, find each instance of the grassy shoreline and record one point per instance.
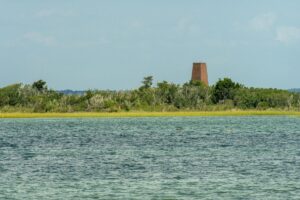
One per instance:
(150, 114)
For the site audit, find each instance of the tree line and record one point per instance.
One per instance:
(192, 96)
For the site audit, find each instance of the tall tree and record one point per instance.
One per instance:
(40, 85)
(147, 82)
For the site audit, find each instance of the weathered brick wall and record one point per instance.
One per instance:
(200, 72)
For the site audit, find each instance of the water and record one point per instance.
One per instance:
(150, 158)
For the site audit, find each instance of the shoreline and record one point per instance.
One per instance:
(150, 114)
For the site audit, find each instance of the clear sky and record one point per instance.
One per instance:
(113, 44)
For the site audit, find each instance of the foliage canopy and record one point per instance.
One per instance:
(194, 95)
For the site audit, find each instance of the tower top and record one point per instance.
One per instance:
(199, 62)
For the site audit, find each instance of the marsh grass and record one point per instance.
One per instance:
(149, 114)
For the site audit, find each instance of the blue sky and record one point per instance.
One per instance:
(113, 44)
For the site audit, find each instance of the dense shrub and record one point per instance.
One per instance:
(194, 95)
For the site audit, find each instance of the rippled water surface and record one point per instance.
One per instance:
(150, 158)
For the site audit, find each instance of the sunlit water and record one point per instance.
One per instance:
(150, 158)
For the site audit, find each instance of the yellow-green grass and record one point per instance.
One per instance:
(149, 114)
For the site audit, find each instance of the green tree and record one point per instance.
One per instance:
(224, 89)
(167, 92)
(147, 82)
(10, 95)
(40, 85)
(195, 83)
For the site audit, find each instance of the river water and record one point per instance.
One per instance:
(150, 158)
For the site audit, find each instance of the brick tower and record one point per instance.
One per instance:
(200, 73)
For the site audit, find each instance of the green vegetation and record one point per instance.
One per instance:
(164, 97)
